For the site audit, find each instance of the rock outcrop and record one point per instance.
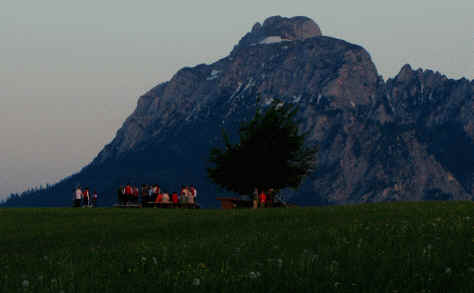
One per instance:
(410, 138)
(440, 113)
(277, 28)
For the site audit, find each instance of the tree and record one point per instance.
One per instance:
(271, 153)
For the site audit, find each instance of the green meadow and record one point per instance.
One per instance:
(387, 247)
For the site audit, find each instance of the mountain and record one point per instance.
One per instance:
(410, 138)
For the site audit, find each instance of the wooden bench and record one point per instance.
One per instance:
(127, 205)
(152, 204)
(234, 202)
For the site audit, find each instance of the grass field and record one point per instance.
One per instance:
(390, 247)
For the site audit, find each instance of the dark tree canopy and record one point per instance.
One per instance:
(271, 153)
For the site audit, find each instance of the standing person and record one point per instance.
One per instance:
(174, 198)
(95, 196)
(157, 190)
(255, 198)
(270, 197)
(189, 194)
(136, 193)
(77, 197)
(128, 193)
(144, 193)
(183, 195)
(262, 199)
(194, 193)
(150, 193)
(86, 198)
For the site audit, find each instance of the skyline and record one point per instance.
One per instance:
(69, 82)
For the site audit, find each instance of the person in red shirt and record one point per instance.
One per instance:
(174, 198)
(128, 192)
(159, 198)
(156, 191)
(87, 197)
(262, 199)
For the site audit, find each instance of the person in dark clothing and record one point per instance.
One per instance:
(145, 197)
(95, 196)
(120, 195)
(270, 197)
(136, 194)
(156, 192)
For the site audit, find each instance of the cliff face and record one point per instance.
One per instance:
(440, 112)
(410, 138)
(320, 72)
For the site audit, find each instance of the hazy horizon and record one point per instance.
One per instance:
(71, 73)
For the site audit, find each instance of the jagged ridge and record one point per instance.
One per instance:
(410, 138)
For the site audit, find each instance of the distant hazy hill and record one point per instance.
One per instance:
(410, 138)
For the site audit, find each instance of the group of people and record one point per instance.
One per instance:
(264, 198)
(84, 197)
(154, 194)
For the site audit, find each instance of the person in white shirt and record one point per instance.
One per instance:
(86, 197)
(78, 197)
(166, 198)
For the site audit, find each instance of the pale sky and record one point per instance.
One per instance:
(71, 71)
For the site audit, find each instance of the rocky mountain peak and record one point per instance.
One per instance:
(409, 138)
(295, 28)
(425, 76)
(281, 28)
(406, 73)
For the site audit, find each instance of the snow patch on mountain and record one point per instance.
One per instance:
(273, 40)
(297, 99)
(268, 101)
(214, 74)
(250, 84)
(237, 90)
